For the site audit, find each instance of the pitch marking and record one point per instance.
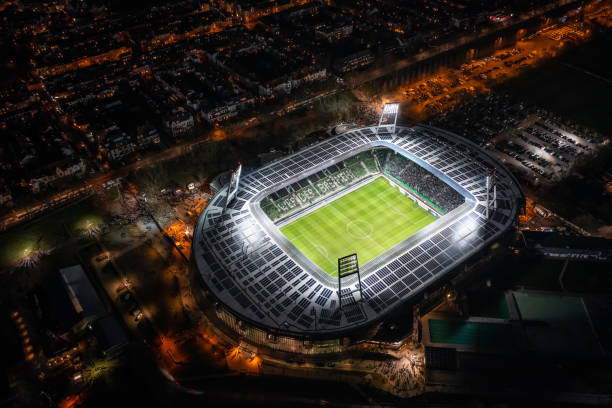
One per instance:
(349, 220)
(361, 230)
(392, 208)
(321, 249)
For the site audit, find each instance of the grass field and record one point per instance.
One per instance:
(50, 231)
(368, 221)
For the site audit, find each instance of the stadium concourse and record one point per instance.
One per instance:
(264, 284)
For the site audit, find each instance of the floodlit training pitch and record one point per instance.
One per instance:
(369, 221)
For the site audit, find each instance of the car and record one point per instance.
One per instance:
(126, 296)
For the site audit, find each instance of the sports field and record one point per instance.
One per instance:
(368, 221)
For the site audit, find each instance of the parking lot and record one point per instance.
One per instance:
(543, 149)
(450, 87)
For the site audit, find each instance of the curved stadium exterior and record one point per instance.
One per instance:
(262, 280)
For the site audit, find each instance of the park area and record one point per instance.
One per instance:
(79, 221)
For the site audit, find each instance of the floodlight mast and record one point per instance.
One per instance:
(491, 193)
(389, 109)
(232, 188)
(348, 265)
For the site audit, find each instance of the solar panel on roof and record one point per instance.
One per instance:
(312, 294)
(398, 287)
(413, 264)
(415, 285)
(243, 300)
(370, 279)
(305, 321)
(379, 286)
(434, 250)
(415, 251)
(386, 295)
(402, 271)
(401, 266)
(384, 271)
(443, 259)
(389, 279)
(422, 258)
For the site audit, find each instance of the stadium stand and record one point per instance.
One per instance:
(243, 261)
(422, 181)
(312, 189)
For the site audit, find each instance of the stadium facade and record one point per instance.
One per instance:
(265, 287)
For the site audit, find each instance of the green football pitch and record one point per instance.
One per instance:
(368, 221)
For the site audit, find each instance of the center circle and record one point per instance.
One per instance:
(359, 229)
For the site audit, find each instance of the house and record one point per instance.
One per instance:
(117, 143)
(55, 171)
(355, 61)
(146, 136)
(180, 122)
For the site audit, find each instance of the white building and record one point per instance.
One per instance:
(228, 109)
(179, 122)
(287, 85)
(60, 171)
(117, 143)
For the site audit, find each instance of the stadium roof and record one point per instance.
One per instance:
(256, 273)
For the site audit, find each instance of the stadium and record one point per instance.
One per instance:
(335, 237)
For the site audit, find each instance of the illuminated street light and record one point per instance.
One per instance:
(91, 229)
(30, 258)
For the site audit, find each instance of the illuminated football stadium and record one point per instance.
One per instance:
(337, 236)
